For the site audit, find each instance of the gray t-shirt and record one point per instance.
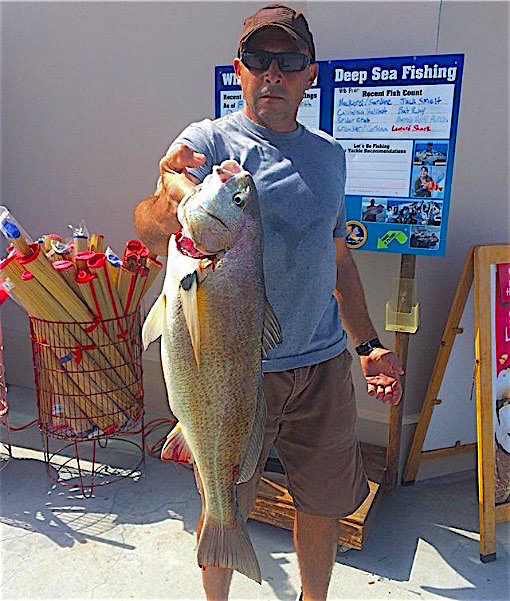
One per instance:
(300, 179)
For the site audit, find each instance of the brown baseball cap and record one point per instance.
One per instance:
(278, 15)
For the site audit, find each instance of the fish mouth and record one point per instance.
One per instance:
(201, 208)
(239, 181)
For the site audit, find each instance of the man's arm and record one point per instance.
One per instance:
(381, 367)
(155, 217)
(351, 297)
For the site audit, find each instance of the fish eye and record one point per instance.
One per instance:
(238, 199)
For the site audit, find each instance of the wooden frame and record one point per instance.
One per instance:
(274, 503)
(490, 514)
(407, 271)
(450, 332)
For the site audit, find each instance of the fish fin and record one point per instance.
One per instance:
(272, 332)
(256, 439)
(228, 546)
(179, 267)
(176, 448)
(188, 294)
(153, 324)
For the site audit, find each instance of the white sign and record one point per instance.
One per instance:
(378, 167)
(393, 112)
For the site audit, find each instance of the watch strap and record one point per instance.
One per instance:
(367, 347)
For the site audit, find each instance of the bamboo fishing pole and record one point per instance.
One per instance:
(47, 244)
(111, 306)
(80, 244)
(145, 282)
(141, 280)
(96, 242)
(67, 270)
(112, 369)
(86, 283)
(130, 258)
(125, 287)
(58, 388)
(154, 269)
(113, 264)
(61, 251)
(81, 259)
(37, 303)
(74, 306)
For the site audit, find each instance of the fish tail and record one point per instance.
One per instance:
(228, 546)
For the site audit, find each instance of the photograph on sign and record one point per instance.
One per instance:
(414, 212)
(430, 153)
(373, 211)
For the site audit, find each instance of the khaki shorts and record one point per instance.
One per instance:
(311, 421)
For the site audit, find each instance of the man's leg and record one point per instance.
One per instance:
(318, 447)
(216, 583)
(315, 540)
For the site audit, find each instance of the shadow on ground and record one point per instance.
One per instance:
(31, 501)
(442, 514)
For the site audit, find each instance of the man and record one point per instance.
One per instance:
(371, 211)
(300, 177)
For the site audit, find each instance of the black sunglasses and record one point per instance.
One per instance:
(288, 62)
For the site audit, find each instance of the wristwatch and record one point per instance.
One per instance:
(367, 347)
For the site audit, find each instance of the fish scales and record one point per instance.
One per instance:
(211, 317)
(210, 400)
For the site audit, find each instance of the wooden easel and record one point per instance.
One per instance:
(274, 503)
(451, 331)
(476, 267)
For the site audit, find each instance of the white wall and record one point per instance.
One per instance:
(92, 94)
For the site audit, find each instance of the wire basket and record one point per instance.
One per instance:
(88, 376)
(4, 407)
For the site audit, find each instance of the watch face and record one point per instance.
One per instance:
(367, 347)
(363, 349)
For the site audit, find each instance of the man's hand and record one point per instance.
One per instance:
(155, 217)
(179, 160)
(381, 370)
(175, 181)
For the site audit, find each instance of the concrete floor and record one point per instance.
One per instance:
(134, 539)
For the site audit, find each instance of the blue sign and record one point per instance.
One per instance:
(397, 120)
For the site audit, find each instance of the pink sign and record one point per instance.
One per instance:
(502, 317)
(502, 404)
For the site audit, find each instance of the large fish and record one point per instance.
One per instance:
(216, 325)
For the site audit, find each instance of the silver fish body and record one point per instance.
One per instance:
(215, 323)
